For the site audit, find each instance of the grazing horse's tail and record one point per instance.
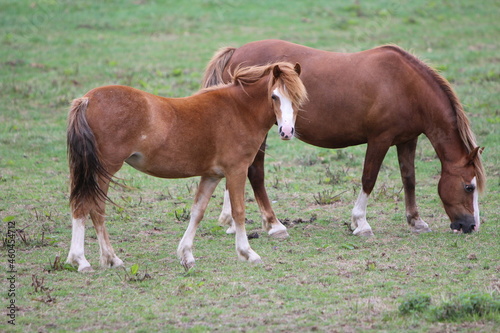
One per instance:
(85, 165)
(215, 68)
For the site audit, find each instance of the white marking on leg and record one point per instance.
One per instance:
(243, 248)
(203, 195)
(278, 230)
(359, 223)
(107, 254)
(77, 252)
(476, 205)
(286, 123)
(185, 248)
(226, 218)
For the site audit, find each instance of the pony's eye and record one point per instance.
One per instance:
(469, 188)
(274, 97)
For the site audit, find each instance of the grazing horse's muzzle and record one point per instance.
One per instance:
(466, 223)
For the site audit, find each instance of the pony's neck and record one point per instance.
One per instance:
(258, 108)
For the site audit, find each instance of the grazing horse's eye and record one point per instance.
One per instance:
(274, 97)
(469, 188)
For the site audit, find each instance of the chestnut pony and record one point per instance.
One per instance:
(382, 97)
(215, 133)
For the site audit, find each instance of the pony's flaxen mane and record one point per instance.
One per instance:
(463, 124)
(288, 79)
(288, 82)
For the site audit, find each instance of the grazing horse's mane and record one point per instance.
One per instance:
(295, 90)
(463, 125)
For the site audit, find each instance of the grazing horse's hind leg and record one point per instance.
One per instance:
(406, 158)
(203, 194)
(375, 153)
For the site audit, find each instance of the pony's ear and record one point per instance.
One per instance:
(276, 71)
(297, 68)
(474, 154)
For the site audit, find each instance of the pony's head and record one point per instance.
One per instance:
(285, 90)
(459, 189)
(288, 94)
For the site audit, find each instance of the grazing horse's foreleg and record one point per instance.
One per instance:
(256, 176)
(406, 158)
(203, 195)
(236, 187)
(269, 221)
(375, 154)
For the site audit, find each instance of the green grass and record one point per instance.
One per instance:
(321, 278)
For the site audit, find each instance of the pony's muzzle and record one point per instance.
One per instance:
(466, 224)
(286, 132)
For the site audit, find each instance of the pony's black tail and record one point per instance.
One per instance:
(85, 165)
(215, 68)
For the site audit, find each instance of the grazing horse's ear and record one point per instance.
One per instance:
(297, 68)
(474, 154)
(276, 71)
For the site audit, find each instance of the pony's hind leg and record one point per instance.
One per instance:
(203, 194)
(108, 258)
(76, 255)
(406, 158)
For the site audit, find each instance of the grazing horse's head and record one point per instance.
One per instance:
(459, 189)
(285, 90)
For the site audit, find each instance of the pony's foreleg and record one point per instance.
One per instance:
(203, 194)
(269, 221)
(375, 154)
(236, 187)
(76, 255)
(406, 158)
(226, 216)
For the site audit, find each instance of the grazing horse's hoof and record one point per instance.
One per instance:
(280, 234)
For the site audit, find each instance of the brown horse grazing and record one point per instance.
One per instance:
(382, 97)
(215, 133)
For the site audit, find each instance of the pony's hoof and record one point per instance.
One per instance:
(86, 269)
(257, 261)
(420, 230)
(363, 233)
(231, 230)
(280, 234)
(187, 265)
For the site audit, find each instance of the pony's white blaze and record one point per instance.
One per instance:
(476, 205)
(286, 122)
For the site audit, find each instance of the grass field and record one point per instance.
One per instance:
(320, 279)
